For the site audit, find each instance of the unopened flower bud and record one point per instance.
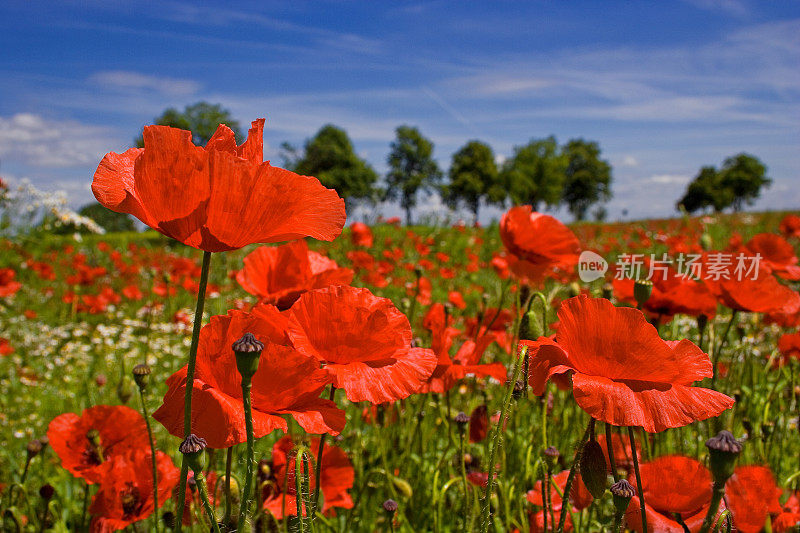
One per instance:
(141, 375)
(46, 492)
(723, 451)
(248, 351)
(594, 470)
(192, 448)
(706, 242)
(642, 289)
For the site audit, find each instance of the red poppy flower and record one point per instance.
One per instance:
(449, 371)
(336, 478)
(790, 226)
(580, 498)
(119, 429)
(677, 484)
(777, 255)
(789, 518)
(789, 347)
(7, 284)
(539, 241)
(672, 294)
(623, 454)
(216, 198)
(361, 235)
(363, 342)
(126, 491)
(479, 423)
(457, 299)
(5, 347)
(286, 383)
(279, 275)
(623, 373)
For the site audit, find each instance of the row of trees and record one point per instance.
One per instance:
(539, 173)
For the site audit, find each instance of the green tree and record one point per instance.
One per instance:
(704, 191)
(329, 156)
(743, 176)
(535, 173)
(411, 168)
(109, 220)
(201, 119)
(587, 177)
(473, 176)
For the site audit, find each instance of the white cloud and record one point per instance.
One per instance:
(668, 179)
(733, 7)
(124, 79)
(628, 161)
(36, 141)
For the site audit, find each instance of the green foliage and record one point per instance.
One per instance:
(588, 178)
(411, 168)
(744, 176)
(536, 173)
(329, 156)
(473, 176)
(109, 220)
(201, 119)
(737, 183)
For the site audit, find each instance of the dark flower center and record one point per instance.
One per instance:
(131, 502)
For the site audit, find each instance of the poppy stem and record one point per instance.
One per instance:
(200, 479)
(153, 459)
(716, 497)
(718, 349)
(612, 461)
(497, 439)
(318, 464)
(244, 505)
(228, 462)
(576, 464)
(639, 492)
(187, 403)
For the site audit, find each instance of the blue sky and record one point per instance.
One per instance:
(664, 87)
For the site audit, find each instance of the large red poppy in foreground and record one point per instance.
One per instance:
(119, 429)
(623, 373)
(278, 275)
(286, 383)
(216, 198)
(363, 341)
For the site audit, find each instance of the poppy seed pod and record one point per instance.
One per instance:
(622, 492)
(192, 448)
(168, 519)
(551, 456)
(723, 451)
(46, 492)
(642, 289)
(248, 351)
(141, 375)
(390, 506)
(33, 448)
(461, 421)
(125, 389)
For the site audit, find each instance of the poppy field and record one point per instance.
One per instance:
(253, 362)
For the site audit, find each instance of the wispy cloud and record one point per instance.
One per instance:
(125, 79)
(39, 142)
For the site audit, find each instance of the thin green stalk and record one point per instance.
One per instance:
(718, 349)
(576, 464)
(639, 491)
(187, 403)
(610, 447)
(200, 480)
(244, 503)
(228, 462)
(153, 459)
(716, 497)
(496, 439)
(463, 475)
(318, 464)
